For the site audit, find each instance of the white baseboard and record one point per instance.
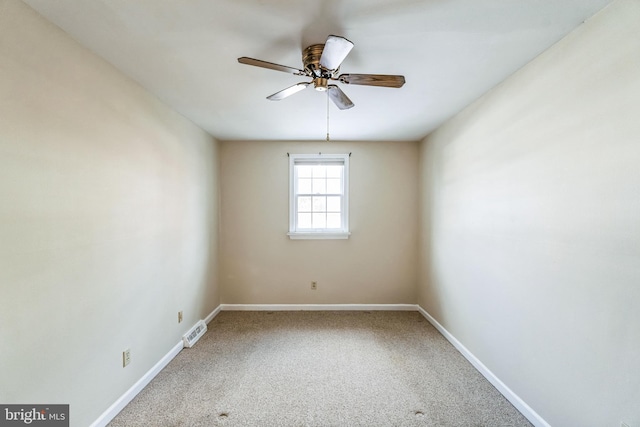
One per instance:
(319, 307)
(128, 396)
(515, 400)
(212, 315)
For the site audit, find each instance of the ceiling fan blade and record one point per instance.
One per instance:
(339, 98)
(336, 48)
(372, 80)
(288, 91)
(270, 65)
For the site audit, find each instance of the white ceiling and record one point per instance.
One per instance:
(185, 52)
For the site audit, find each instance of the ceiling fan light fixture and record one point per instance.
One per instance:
(321, 63)
(335, 50)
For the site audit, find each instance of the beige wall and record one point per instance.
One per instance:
(531, 226)
(260, 265)
(525, 207)
(108, 204)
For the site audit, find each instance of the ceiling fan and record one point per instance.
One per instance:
(321, 62)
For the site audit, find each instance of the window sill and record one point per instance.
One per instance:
(341, 235)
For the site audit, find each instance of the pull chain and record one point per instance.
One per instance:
(327, 116)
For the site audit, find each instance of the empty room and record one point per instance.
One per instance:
(320, 213)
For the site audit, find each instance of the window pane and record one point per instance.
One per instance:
(319, 186)
(334, 171)
(304, 186)
(304, 171)
(319, 220)
(304, 204)
(319, 171)
(333, 220)
(319, 194)
(304, 220)
(333, 186)
(333, 204)
(319, 204)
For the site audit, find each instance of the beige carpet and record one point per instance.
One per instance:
(320, 369)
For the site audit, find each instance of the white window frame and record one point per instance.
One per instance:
(325, 233)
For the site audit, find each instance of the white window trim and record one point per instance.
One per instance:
(320, 234)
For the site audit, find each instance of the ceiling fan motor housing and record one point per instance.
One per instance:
(311, 60)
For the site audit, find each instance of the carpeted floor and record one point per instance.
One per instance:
(320, 369)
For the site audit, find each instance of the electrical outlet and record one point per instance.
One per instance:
(126, 357)
(314, 285)
(180, 317)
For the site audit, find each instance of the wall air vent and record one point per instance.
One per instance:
(194, 334)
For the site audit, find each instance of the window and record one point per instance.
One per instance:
(319, 196)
